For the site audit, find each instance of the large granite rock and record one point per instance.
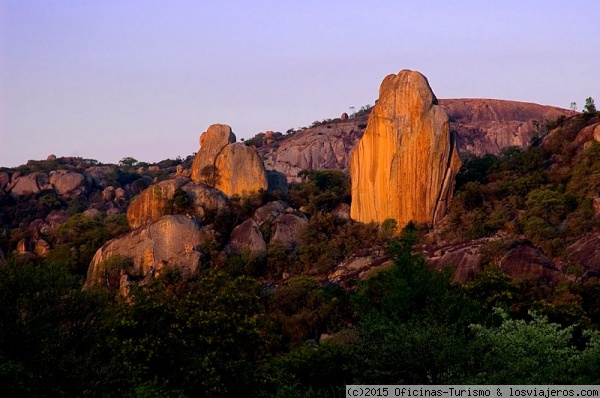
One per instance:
(153, 203)
(28, 184)
(405, 164)
(481, 126)
(526, 261)
(211, 142)
(173, 241)
(287, 228)
(319, 148)
(585, 252)
(247, 237)
(239, 170)
(100, 176)
(66, 182)
(205, 198)
(490, 125)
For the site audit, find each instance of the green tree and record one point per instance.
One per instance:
(590, 106)
(525, 352)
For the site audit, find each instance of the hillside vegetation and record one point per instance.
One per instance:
(285, 322)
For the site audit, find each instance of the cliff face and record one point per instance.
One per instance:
(404, 165)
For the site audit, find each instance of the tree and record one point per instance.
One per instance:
(128, 161)
(590, 106)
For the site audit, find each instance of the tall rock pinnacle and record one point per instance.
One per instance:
(404, 166)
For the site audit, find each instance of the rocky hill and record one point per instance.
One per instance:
(212, 276)
(481, 126)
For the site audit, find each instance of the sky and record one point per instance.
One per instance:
(111, 79)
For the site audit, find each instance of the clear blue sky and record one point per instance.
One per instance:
(114, 78)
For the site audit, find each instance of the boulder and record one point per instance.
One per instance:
(287, 228)
(405, 164)
(269, 212)
(153, 202)
(92, 213)
(528, 261)
(108, 193)
(56, 218)
(100, 176)
(344, 117)
(239, 170)
(205, 198)
(29, 184)
(172, 241)
(66, 182)
(276, 181)
(342, 211)
(23, 246)
(41, 248)
(585, 252)
(211, 142)
(51, 157)
(464, 259)
(247, 236)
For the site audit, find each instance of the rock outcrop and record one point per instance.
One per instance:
(173, 241)
(205, 198)
(67, 182)
(322, 147)
(28, 184)
(239, 170)
(153, 203)
(247, 236)
(481, 126)
(584, 252)
(489, 125)
(405, 164)
(212, 141)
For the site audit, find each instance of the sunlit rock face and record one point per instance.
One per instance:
(405, 164)
(212, 141)
(173, 241)
(239, 170)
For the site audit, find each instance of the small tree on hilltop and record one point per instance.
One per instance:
(590, 106)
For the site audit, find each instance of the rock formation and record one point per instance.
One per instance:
(211, 142)
(489, 125)
(239, 170)
(205, 198)
(234, 168)
(66, 182)
(247, 236)
(153, 203)
(481, 126)
(405, 164)
(28, 184)
(318, 148)
(172, 241)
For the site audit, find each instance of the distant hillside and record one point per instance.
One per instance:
(482, 126)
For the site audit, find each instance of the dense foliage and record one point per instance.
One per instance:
(222, 335)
